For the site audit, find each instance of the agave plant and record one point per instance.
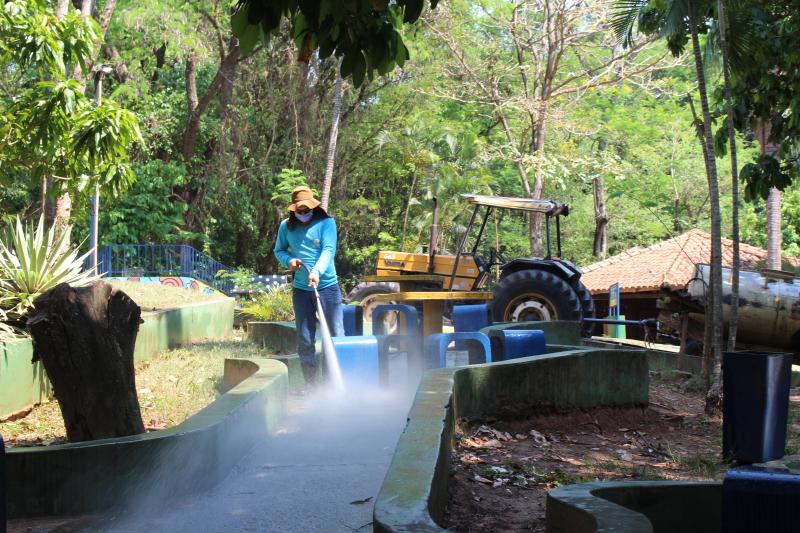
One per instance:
(33, 261)
(7, 332)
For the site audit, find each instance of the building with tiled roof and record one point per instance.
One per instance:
(641, 272)
(672, 262)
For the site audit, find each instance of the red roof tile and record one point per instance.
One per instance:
(671, 261)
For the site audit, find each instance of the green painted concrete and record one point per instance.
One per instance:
(23, 384)
(191, 457)
(414, 492)
(636, 507)
(275, 337)
(171, 328)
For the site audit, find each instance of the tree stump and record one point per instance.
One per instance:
(85, 338)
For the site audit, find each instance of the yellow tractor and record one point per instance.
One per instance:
(547, 288)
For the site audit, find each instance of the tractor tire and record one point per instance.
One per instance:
(534, 295)
(365, 292)
(587, 306)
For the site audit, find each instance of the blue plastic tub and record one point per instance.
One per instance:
(759, 498)
(515, 343)
(756, 405)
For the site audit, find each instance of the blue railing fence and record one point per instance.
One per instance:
(161, 260)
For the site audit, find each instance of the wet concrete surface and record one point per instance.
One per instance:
(320, 472)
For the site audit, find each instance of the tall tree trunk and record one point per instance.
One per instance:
(411, 192)
(57, 209)
(331, 156)
(712, 364)
(85, 339)
(61, 8)
(734, 313)
(196, 107)
(537, 219)
(774, 235)
(600, 219)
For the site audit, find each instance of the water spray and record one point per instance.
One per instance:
(328, 350)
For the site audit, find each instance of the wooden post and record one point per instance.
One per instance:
(85, 338)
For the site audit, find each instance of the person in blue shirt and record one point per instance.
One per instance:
(308, 237)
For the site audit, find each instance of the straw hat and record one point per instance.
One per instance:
(303, 196)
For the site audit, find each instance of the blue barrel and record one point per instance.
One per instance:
(352, 316)
(759, 498)
(515, 343)
(472, 317)
(756, 403)
(359, 360)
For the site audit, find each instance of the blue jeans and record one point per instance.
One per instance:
(305, 309)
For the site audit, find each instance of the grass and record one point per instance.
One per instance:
(171, 387)
(152, 296)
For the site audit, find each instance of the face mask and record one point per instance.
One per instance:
(305, 217)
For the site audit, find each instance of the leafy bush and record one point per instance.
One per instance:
(33, 261)
(241, 277)
(271, 306)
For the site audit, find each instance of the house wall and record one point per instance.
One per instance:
(635, 306)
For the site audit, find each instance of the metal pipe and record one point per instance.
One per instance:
(647, 322)
(434, 236)
(462, 243)
(558, 235)
(547, 231)
(480, 233)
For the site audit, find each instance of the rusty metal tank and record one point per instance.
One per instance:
(769, 305)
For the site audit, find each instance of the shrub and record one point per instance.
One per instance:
(271, 306)
(33, 261)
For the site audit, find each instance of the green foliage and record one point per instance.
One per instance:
(286, 181)
(364, 33)
(273, 305)
(50, 127)
(763, 174)
(147, 213)
(241, 277)
(33, 261)
(32, 37)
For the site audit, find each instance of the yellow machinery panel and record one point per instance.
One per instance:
(390, 263)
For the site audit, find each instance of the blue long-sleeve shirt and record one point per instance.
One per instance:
(314, 245)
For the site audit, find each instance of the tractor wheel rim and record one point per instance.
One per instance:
(369, 304)
(529, 304)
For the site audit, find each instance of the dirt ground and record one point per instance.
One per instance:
(503, 469)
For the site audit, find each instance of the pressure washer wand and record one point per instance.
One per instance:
(328, 349)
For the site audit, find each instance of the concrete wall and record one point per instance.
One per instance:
(23, 384)
(275, 337)
(147, 469)
(414, 491)
(171, 328)
(636, 507)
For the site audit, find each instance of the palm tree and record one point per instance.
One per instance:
(734, 314)
(672, 25)
(331, 156)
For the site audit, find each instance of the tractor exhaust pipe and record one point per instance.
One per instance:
(434, 236)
